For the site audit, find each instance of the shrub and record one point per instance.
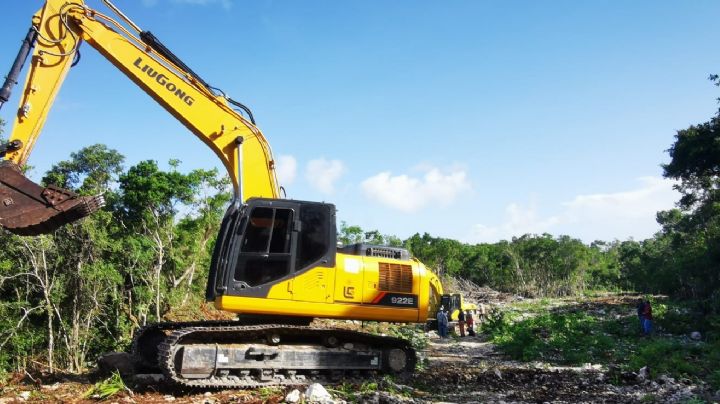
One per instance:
(567, 338)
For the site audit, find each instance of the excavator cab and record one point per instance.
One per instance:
(453, 303)
(266, 241)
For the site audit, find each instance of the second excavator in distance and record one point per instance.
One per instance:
(276, 262)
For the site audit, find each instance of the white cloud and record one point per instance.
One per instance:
(519, 220)
(408, 194)
(619, 215)
(286, 169)
(655, 194)
(322, 174)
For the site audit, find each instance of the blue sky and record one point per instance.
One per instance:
(471, 120)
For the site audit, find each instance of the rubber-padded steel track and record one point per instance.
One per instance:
(169, 337)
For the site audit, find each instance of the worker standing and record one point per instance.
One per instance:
(461, 322)
(470, 321)
(442, 322)
(483, 313)
(647, 318)
(639, 308)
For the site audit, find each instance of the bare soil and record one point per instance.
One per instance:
(468, 370)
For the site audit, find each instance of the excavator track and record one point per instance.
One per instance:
(227, 355)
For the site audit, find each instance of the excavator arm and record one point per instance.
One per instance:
(56, 33)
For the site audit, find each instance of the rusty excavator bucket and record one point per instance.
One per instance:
(28, 209)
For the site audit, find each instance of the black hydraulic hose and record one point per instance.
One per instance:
(11, 79)
(78, 56)
(152, 41)
(244, 108)
(236, 103)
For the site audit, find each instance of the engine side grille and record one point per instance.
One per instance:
(395, 278)
(379, 251)
(385, 252)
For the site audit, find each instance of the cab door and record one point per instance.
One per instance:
(315, 253)
(266, 260)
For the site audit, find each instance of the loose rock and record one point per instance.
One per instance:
(293, 396)
(317, 393)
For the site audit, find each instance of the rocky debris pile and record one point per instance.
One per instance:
(526, 385)
(478, 294)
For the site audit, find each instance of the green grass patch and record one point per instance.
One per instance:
(349, 391)
(352, 392)
(107, 388)
(575, 334)
(266, 393)
(571, 338)
(665, 356)
(533, 306)
(411, 333)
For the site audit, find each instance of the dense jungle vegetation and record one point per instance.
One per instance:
(67, 297)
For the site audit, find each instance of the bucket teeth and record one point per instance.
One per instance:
(28, 209)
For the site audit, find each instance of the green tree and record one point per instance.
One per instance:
(149, 200)
(69, 296)
(347, 234)
(91, 170)
(683, 259)
(195, 235)
(350, 234)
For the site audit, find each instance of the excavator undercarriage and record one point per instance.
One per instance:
(228, 355)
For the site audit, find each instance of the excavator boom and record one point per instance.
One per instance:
(56, 33)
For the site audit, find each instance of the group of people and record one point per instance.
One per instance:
(644, 313)
(466, 321)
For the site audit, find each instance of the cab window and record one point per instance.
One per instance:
(313, 241)
(265, 253)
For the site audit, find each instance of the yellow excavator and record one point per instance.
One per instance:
(276, 263)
